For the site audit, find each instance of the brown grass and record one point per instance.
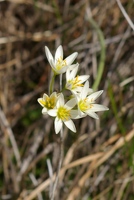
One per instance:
(98, 159)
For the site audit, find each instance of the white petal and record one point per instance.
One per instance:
(71, 58)
(92, 114)
(48, 54)
(58, 125)
(95, 95)
(68, 86)
(62, 70)
(71, 74)
(52, 64)
(85, 90)
(83, 78)
(70, 125)
(98, 107)
(54, 94)
(74, 91)
(52, 112)
(80, 113)
(67, 75)
(77, 90)
(75, 114)
(59, 53)
(74, 72)
(71, 103)
(39, 101)
(90, 91)
(61, 100)
(44, 110)
(71, 67)
(45, 96)
(77, 96)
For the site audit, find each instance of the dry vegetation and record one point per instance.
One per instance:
(99, 159)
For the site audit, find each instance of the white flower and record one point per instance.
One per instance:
(48, 102)
(86, 103)
(57, 63)
(64, 113)
(75, 84)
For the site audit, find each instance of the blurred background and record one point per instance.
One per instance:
(99, 159)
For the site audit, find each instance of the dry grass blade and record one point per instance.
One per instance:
(123, 181)
(8, 64)
(7, 130)
(46, 36)
(33, 150)
(46, 151)
(95, 163)
(27, 136)
(45, 184)
(39, 5)
(75, 192)
(125, 14)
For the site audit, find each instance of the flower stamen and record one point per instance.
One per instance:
(63, 113)
(85, 105)
(75, 82)
(60, 63)
(49, 102)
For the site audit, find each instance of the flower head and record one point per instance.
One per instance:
(48, 102)
(58, 64)
(63, 113)
(82, 102)
(86, 103)
(75, 84)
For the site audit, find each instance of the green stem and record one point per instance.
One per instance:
(114, 108)
(102, 53)
(61, 153)
(52, 84)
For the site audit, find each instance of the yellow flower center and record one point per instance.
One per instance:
(63, 113)
(49, 103)
(84, 105)
(60, 63)
(75, 82)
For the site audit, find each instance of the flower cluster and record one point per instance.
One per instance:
(82, 98)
